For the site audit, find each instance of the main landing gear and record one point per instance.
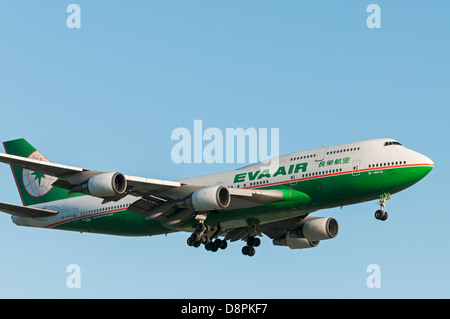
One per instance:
(249, 249)
(208, 236)
(204, 234)
(381, 214)
(252, 241)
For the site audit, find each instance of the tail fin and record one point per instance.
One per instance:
(34, 187)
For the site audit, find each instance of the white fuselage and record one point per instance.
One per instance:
(320, 163)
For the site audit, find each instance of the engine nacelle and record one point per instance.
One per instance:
(311, 232)
(209, 198)
(294, 242)
(102, 185)
(317, 228)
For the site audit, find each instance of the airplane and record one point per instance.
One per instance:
(242, 204)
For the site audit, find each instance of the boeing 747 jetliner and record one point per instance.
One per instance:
(240, 204)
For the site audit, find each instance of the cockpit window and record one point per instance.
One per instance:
(392, 143)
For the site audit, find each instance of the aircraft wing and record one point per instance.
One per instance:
(72, 176)
(163, 200)
(173, 212)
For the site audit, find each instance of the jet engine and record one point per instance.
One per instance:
(295, 243)
(209, 198)
(311, 231)
(102, 185)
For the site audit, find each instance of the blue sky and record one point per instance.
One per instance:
(108, 95)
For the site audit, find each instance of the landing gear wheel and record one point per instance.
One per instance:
(218, 243)
(381, 215)
(248, 251)
(223, 244)
(200, 228)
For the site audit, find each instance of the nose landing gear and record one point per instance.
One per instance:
(381, 214)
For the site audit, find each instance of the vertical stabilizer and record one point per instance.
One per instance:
(34, 187)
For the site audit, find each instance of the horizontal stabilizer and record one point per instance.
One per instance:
(25, 211)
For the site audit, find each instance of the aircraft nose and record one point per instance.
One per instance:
(421, 166)
(420, 159)
(427, 161)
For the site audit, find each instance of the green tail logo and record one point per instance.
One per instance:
(34, 187)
